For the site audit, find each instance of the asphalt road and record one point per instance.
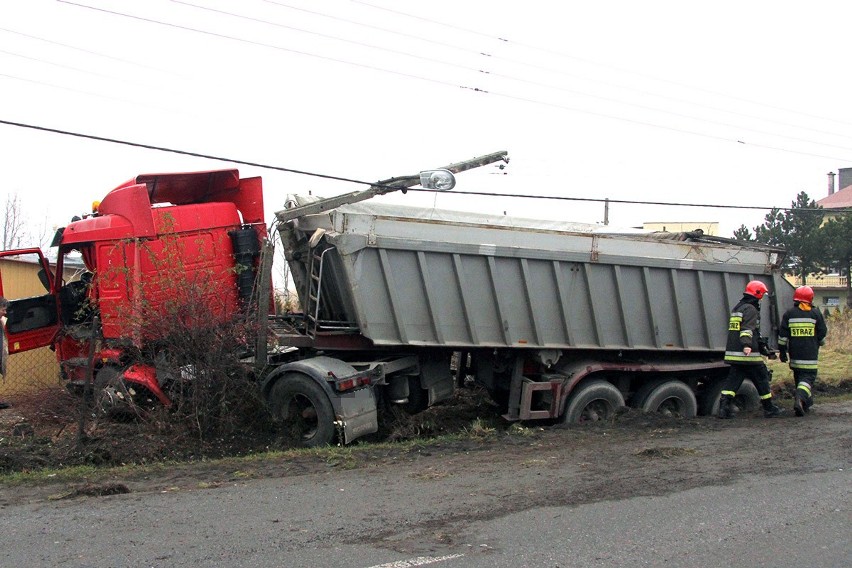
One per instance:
(785, 521)
(703, 493)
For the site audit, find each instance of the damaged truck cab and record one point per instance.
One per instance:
(125, 254)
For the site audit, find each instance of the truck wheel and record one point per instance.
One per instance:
(112, 398)
(418, 397)
(304, 409)
(593, 402)
(747, 398)
(671, 398)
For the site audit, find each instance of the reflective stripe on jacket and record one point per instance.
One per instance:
(801, 333)
(744, 331)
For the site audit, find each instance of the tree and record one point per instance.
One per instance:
(15, 227)
(799, 230)
(838, 233)
(743, 234)
(286, 298)
(13, 223)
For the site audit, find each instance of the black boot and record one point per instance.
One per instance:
(726, 404)
(804, 398)
(770, 410)
(798, 404)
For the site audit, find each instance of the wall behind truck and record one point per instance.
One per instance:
(36, 370)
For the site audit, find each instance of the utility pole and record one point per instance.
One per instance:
(606, 211)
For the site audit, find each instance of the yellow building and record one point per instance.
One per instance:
(37, 369)
(710, 228)
(829, 290)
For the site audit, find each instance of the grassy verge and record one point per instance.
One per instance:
(341, 457)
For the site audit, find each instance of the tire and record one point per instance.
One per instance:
(670, 398)
(747, 398)
(501, 399)
(112, 398)
(304, 409)
(593, 402)
(418, 398)
(642, 392)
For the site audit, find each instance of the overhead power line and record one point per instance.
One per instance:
(69, 67)
(635, 202)
(80, 49)
(492, 73)
(456, 85)
(596, 63)
(91, 94)
(374, 184)
(259, 44)
(181, 152)
(552, 70)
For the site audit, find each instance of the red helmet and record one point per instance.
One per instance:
(804, 294)
(756, 288)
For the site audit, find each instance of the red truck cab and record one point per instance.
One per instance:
(144, 237)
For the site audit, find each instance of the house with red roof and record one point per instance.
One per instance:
(831, 290)
(841, 199)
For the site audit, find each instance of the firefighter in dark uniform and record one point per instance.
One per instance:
(803, 331)
(743, 353)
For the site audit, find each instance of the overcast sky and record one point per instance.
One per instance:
(727, 102)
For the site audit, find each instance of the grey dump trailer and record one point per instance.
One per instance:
(559, 321)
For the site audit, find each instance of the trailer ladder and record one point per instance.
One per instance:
(315, 302)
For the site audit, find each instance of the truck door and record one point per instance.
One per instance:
(27, 282)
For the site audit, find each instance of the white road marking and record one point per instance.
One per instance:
(419, 561)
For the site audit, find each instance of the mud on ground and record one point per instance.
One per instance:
(631, 446)
(53, 430)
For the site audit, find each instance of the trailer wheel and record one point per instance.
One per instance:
(304, 409)
(670, 398)
(747, 398)
(593, 402)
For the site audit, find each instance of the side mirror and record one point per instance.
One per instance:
(45, 281)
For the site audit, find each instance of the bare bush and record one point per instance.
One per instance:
(185, 325)
(839, 336)
(286, 302)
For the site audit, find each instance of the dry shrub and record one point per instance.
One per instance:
(200, 353)
(212, 390)
(286, 302)
(188, 323)
(839, 337)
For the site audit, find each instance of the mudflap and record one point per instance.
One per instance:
(357, 414)
(436, 378)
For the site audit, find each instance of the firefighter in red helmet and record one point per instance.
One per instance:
(803, 331)
(743, 352)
